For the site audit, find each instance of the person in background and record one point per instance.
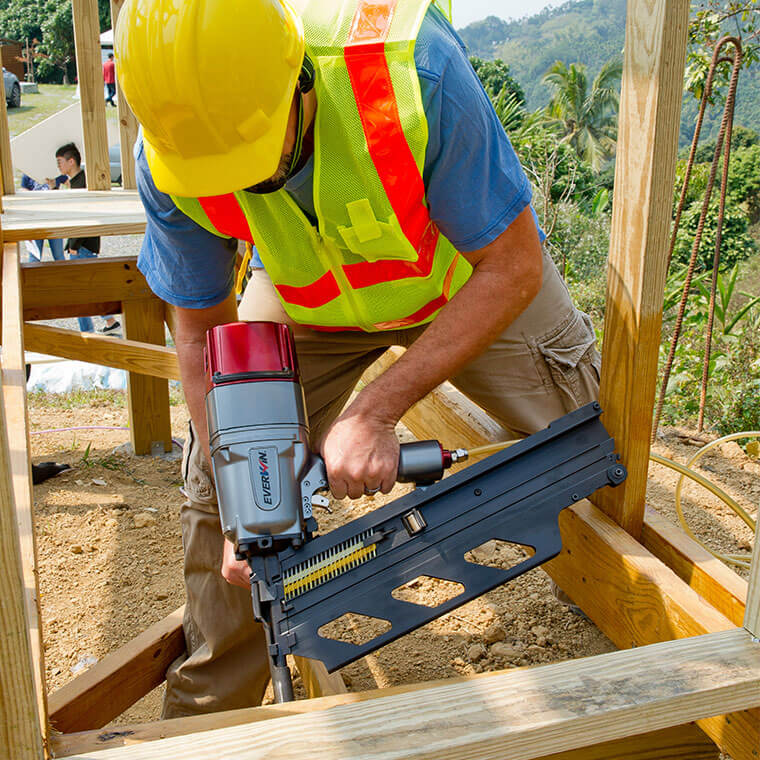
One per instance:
(69, 162)
(109, 77)
(56, 245)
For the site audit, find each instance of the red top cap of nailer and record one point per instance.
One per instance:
(249, 351)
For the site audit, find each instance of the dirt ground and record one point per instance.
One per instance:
(111, 557)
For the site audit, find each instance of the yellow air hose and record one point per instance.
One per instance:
(686, 471)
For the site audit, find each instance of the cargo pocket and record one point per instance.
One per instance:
(568, 361)
(198, 483)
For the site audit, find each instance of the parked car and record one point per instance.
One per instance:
(12, 89)
(114, 159)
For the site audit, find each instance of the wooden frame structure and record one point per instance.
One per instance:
(686, 682)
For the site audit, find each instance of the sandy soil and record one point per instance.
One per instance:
(111, 559)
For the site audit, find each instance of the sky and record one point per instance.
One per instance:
(467, 11)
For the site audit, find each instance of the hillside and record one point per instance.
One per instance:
(583, 31)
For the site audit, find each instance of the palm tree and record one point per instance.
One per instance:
(588, 120)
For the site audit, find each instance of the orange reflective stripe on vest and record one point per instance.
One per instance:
(225, 214)
(373, 90)
(311, 296)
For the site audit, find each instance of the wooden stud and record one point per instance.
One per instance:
(709, 577)
(56, 284)
(519, 714)
(120, 679)
(90, 75)
(17, 423)
(7, 180)
(20, 735)
(650, 107)
(75, 213)
(752, 618)
(317, 681)
(143, 358)
(128, 125)
(149, 419)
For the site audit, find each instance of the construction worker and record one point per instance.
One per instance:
(352, 141)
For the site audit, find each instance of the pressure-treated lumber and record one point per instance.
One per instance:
(752, 618)
(6, 162)
(20, 733)
(647, 143)
(128, 125)
(148, 397)
(58, 284)
(519, 714)
(126, 675)
(679, 743)
(75, 213)
(68, 311)
(709, 577)
(317, 681)
(90, 75)
(133, 356)
(17, 424)
(120, 679)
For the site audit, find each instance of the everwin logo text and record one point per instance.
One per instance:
(265, 476)
(266, 486)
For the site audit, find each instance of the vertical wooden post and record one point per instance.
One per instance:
(149, 420)
(6, 162)
(90, 73)
(752, 613)
(128, 125)
(650, 108)
(21, 718)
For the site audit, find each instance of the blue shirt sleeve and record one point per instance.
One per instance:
(183, 263)
(475, 184)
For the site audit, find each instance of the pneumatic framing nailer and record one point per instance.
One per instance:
(268, 481)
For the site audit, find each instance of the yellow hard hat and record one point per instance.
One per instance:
(211, 82)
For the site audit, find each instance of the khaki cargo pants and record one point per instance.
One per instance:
(543, 366)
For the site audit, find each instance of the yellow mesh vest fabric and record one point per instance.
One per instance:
(356, 221)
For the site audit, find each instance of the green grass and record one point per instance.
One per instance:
(98, 397)
(38, 106)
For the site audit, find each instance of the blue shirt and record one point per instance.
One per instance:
(475, 185)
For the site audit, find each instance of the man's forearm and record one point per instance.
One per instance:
(499, 290)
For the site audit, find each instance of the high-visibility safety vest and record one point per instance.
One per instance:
(375, 260)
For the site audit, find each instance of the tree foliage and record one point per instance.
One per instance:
(588, 119)
(495, 78)
(712, 20)
(48, 27)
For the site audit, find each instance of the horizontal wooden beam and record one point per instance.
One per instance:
(131, 355)
(75, 213)
(631, 596)
(120, 679)
(519, 714)
(685, 742)
(53, 284)
(70, 311)
(709, 577)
